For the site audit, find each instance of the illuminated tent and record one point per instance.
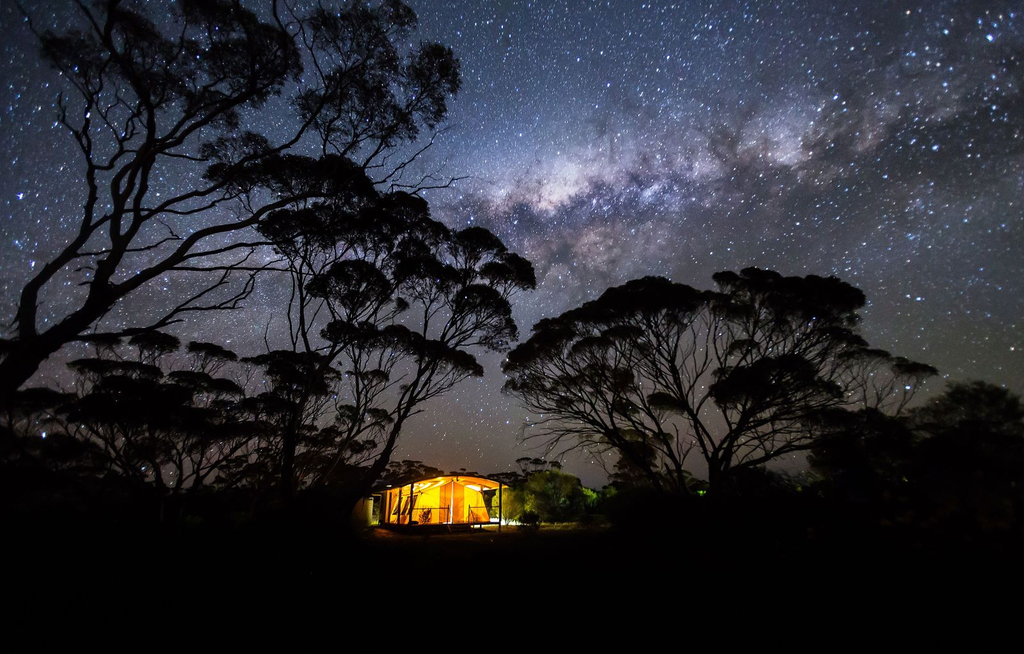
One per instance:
(446, 500)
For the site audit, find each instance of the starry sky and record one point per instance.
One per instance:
(881, 142)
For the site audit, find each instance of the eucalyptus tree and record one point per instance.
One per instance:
(387, 309)
(158, 100)
(654, 370)
(138, 411)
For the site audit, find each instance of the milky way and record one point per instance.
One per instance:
(879, 142)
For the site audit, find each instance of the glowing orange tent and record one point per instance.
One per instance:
(445, 500)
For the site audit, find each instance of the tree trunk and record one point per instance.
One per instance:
(32, 347)
(288, 467)
(716, 475)
(377, 469)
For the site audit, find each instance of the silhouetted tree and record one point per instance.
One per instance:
(402, 472)
(37, 442)
(861, 463)
(296, 391)
(653, 370)
(135, 417)
(154, 99)
(386, 306)
(967, 467)
(529, 465)
(954, 465)
(511, 478)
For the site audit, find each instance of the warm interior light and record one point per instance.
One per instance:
(448, 499)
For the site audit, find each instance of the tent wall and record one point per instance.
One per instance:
(442, 500)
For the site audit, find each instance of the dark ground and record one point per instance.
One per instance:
(596, 587)
(598, 562)
(760, 559)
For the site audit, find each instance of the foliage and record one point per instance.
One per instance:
(132, 416)
(556, 496)
(513, 503)
(550, 495)
(529, 522)
(150, 99)
(954, 465)
(386, 301)
(402, 472)
(744, 375)
(182, 419)
(387, 305)
(967, 467)
(865, 458)
(977, 408)
(529, 465)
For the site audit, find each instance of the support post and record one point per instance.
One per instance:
(412, 502)
(398, 514)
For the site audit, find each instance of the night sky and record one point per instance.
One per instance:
(881, 142)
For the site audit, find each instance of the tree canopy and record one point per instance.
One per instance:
(654, 370)
(148, 99)
(389, 304)
(954, 464)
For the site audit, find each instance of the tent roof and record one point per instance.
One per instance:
(484, 482)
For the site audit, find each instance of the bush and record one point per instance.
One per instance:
(529, 522)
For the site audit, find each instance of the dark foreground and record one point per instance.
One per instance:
(565, 565)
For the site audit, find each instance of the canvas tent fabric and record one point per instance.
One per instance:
(448, 499)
